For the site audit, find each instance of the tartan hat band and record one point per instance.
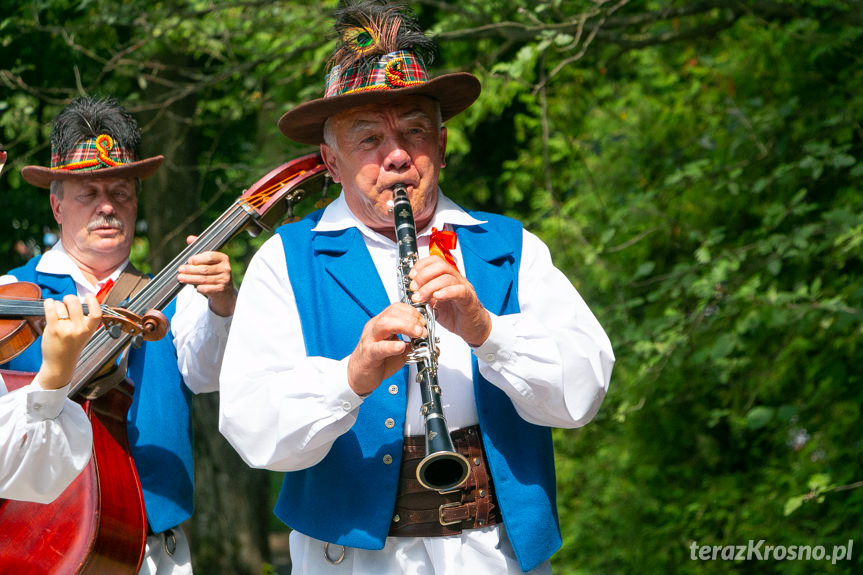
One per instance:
(93, 154)
(98, 157)
(400, 69)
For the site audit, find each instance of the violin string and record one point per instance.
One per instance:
(15, 307)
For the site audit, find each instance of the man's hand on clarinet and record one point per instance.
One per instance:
(455, 303)
(380, 352)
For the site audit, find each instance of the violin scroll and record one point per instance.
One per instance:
(155, 324)
(152, 326)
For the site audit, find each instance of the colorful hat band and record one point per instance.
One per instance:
(93, 154)
(392, 71)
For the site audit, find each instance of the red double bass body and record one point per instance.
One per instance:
(98, 524)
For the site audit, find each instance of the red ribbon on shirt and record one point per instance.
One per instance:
(103, 291)
(440, 244)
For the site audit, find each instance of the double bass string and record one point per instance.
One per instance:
(159, 291)
(164, 286)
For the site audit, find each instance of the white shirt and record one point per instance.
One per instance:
(283, 410)
(45, 442)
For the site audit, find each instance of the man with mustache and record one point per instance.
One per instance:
(95, 178)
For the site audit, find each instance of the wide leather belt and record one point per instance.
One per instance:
(422, 512)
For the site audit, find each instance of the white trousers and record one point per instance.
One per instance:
(167, 554)
(484, 551)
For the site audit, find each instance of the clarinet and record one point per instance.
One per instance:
(443, 468)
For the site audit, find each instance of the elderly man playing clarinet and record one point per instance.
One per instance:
(330, 350)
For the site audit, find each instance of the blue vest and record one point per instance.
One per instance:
(159, 423)
(349, 497)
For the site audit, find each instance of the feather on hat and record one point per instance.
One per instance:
(381, 56)
(93, 138)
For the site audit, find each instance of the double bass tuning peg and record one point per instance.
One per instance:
(324, 201)
(289, 214)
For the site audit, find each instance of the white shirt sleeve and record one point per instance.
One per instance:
(200, 337)
(45, 442)
(552, 359)
(269, 418)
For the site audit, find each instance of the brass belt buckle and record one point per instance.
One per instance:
(440, 513)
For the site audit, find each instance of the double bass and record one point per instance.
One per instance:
(98, 525)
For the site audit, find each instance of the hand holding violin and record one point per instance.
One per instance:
(66, 331)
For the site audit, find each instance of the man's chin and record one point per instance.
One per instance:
(110, 244)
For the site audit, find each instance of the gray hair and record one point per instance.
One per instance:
(57, 188)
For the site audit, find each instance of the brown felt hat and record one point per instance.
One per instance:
(378, 60)
(95, 157)
(93, 138)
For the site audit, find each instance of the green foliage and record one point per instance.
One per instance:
(243, 64)
(720, 198)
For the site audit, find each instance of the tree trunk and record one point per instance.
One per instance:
(228, 530)
(172, 194)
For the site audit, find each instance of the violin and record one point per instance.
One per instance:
(22, 319)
